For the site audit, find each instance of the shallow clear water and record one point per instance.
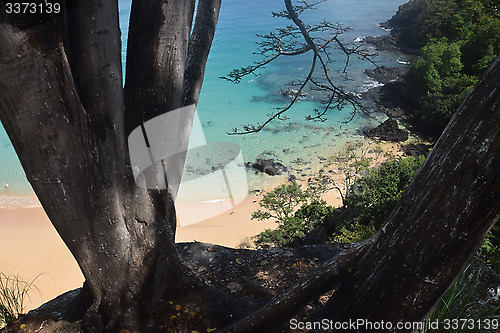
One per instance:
(224, 105)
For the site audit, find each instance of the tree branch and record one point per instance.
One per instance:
(92, 44)
(278, 311)
(298, 22)
(199, 47)
(256, 128)
(285, 42)
(156, 58)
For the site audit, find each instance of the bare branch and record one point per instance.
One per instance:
(199, 46)
(299, 39)
(253, 129)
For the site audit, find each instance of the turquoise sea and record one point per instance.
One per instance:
(224, 105)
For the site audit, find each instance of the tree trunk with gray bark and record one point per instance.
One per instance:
(65, 110)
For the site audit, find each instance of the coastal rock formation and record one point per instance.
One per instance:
(404, 26)
(268, 166)
(391, 98)
(382, 43)
(385, 74)
(387, 131)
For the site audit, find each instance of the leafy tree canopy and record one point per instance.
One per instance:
(458, 41)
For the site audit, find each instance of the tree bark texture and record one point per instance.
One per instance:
(66, 113)
(438, 224)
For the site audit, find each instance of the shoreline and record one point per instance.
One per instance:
(33, 249)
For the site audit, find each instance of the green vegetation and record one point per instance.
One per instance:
(300, 212)
(459, 40)
(368, 202)
(373, 196)
(13, 293)
(437, 81)
(470, 299)
(293, 224)
(422, 20)
(466, 303)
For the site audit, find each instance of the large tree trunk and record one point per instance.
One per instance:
(438, 224)
(63, 106)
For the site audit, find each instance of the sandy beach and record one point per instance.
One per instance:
(32, 249)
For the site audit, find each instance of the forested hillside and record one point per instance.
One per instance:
(456, 42)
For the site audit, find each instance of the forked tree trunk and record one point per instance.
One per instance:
(63, 106)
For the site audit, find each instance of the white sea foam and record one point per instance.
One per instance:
(403, 61)
(370, 84)
(384, 28)
(17, 201)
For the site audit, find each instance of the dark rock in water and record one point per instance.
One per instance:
(268, 152)
(406, 29)
(269, 166)
(391, 99)
(382, 43)
(384, 74)
(388, 131)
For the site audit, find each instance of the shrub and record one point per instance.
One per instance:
(374, 196)
(367, 204)
(294, 222)
(354, 233)
(466, 304)
(13, 293)
(437, 81)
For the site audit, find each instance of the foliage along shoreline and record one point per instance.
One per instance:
(454, 42)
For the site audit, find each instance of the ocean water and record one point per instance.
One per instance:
(224, 105)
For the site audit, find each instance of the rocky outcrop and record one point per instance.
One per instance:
(404, 27)
(387, 131)
(270, 167)
(382, 43)
(292, 93)
(404, 33)
(385, 74)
